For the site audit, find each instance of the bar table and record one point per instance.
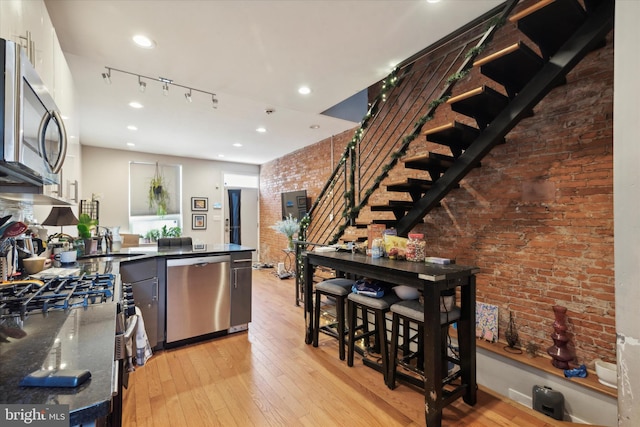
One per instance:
(432, 280)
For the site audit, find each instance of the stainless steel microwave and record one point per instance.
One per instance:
(33, 140)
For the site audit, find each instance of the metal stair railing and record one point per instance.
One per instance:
(354, 178)
(593, 30)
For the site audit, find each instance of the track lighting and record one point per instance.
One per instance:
(142, 86)
(107, 76)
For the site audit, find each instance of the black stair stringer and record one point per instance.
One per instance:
(586, 38)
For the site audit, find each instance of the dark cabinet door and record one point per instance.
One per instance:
(240, 290)
(240, 296)
(146, 296)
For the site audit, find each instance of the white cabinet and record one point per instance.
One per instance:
(27, 22)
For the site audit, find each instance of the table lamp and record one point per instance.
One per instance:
(60, 216)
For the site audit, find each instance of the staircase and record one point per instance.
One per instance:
(563, 31)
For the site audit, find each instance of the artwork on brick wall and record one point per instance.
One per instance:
(487, 321)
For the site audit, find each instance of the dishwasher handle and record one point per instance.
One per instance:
(197, 261)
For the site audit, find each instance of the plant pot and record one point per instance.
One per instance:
(90, 246)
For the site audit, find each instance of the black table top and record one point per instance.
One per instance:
(395, 269)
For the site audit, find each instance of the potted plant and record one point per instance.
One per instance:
(288, 226)
(85, 227)
(158, 194)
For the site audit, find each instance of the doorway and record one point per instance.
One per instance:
(241, 217)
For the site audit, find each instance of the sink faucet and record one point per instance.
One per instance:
(108, 238)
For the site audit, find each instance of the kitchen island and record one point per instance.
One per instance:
(79, 338)
(432, 280)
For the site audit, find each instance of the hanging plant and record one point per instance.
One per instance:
(158, 194)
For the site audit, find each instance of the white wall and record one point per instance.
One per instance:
(515, 381)
(626, 157)
(106, 172)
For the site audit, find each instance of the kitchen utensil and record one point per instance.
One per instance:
(21, 282)
(36, 264)
(13, 229)
(4, 219)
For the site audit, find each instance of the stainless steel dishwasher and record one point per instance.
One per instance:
(198, 296)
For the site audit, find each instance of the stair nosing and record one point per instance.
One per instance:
(528, 11)
(507, 50)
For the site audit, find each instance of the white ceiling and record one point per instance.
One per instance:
(253, 54)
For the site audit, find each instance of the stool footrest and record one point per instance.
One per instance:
(331, 330)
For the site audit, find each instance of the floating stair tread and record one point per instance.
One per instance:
(430, 162)
(388, 222)
(453, 134)
(513, 67)
(392, 206)
(483, 104)
(550, 23)
(410, 184)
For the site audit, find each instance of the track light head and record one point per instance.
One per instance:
(214, 101)
(142, 86)
(107, 76)
(165, 89)
(187, 96)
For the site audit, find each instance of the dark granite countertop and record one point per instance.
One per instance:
(152, 251)
(82, 338)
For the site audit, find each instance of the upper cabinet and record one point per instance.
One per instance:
(28, 23)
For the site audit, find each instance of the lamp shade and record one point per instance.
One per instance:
(59, 216)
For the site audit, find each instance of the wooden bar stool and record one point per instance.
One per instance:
(379, 307)
(411, 311)
(337, 289)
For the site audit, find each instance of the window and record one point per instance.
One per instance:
(144, 214)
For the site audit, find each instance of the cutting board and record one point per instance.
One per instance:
(57, 272)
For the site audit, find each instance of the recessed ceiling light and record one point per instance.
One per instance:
(64, 117)
(315, 126)
(261, 130)
(144, 41)
(130, 144)
(132, 127)
(134, 104)
(237, 144)
(433, 1)
(304, 90)
(220, 155)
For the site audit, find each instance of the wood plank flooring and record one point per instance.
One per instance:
(267, 376)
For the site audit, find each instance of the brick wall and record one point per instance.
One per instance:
(536, 217)
(306, 169)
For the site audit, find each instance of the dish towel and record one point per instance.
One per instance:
(143, 348)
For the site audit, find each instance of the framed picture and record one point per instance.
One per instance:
(199, 204)
(198, 221)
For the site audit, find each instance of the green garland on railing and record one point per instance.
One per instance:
(456, 76)
(474, 51)
(406, 140)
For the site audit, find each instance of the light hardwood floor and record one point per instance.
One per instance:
(269, 377)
